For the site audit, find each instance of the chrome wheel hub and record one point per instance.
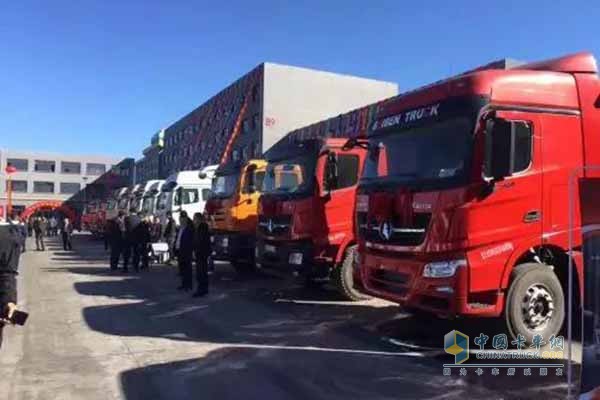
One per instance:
(537, 307)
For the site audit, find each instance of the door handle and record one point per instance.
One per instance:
(532, 216)
(506, 184)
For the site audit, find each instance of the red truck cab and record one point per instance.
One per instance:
(462, 209)
(305, 214)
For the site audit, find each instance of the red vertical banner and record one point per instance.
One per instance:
(589, 193)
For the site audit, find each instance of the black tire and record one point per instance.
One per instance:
(343, 277)
(243, 268)
(534, 287)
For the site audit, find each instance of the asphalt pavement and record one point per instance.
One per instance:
(95, 334)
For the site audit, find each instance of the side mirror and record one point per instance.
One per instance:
(355, 142)
(498, 148)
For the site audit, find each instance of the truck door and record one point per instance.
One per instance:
(510, 216)
(250, 185)
(339, 173)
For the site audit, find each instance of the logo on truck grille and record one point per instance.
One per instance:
(385, 230)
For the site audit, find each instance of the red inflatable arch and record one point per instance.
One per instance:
(50, 205)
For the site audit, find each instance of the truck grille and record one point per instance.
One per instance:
(389, 281)
(396, 232)
(274, 226)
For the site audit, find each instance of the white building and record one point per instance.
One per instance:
(46, 176)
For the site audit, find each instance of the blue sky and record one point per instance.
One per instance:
(101, 77)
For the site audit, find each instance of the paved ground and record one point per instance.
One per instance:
(99, 335)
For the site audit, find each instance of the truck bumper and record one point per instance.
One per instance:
(233, 246)
(400, 279)
(292, 257)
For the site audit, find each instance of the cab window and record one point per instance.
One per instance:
(253, 180)
(347, 172)
(186, 196)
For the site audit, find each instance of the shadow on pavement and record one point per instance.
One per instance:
(264, 337)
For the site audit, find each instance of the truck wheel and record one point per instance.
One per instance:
(242, 267)
(343, 277)
(535, 304)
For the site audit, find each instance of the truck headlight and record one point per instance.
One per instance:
(295, 258)
(443, 269)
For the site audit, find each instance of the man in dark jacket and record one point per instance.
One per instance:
(10, 251)
(202, 251)
(170, 235)
(141, 238)
(184, 247)
(114, 239)
(40, 226)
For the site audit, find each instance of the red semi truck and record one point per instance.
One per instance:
(462, 209)
(305, 213)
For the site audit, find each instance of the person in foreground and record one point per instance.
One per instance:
(10, 251)
(184, 248)
(201, 253)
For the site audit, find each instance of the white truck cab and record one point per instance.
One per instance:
(185, 191)
(148, 200)
(112, 208)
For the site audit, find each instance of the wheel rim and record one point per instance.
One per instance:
(537, 307)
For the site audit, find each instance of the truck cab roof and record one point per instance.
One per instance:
(192, 178)
(547, 84)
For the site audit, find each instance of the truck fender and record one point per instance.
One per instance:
(518, 253)
(343, 246)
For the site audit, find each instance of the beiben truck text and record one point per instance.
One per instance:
(305, 212)
(462, 209)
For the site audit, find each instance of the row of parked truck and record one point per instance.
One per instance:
(454, 201)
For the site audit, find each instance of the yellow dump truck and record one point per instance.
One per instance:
(232, 212)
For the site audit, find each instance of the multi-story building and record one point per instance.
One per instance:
(150, 166)
(47, 177)
(246, 118)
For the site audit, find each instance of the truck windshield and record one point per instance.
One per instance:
(123, 203)
(135, 203)
(224, 185)
(161, 203)
(294, 175)
(148, 204)
(436, 154)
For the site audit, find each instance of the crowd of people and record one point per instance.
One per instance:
(41, 227)
(129, 238)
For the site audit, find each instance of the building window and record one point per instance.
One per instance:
(69, 187)
(20, 164)
(43, 187)
(44, 166)
(255, 93)
(18, 186)
(70, 167)
(245, 126)
(96, 169)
